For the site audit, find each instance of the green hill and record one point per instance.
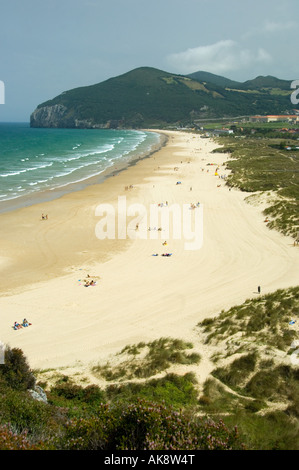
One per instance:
(216, 79)
(267, 82)
(147, 97)
(259, 83)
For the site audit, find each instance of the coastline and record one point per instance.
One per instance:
(137, 297)
(55, 193)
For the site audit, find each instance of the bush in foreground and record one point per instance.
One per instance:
(15, 371)
(147, 426)
(9, 440)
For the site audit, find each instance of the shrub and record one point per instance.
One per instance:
(69, 391)
(76, 398)
(147, 426)
(24, 413)
(92, 433)
(12, 441)
(238, 371)
(159, 355)
(175, 390)
(15, 370)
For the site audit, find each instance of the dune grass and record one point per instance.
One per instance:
(264, 320)
(255, 384)
(147, 359)
(263, 165)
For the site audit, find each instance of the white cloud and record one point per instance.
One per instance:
(220, 57)
(269, 27)
(274, 27)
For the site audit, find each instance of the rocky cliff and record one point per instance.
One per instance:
(49, 116)
(59, 116)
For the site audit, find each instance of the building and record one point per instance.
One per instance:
(293, 118)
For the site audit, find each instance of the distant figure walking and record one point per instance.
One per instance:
(259, 289)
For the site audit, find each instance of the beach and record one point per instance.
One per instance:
(137, 296)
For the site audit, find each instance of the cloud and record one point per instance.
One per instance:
(274, 27)
(269, 27)
(221, 57)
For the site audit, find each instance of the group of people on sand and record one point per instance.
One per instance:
(162, 204)
(44, 217)
(193, 206)
(18, 326)
(89, 282)
(163, 254)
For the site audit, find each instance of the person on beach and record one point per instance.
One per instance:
(17, 326)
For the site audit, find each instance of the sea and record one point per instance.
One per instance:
(38, 164)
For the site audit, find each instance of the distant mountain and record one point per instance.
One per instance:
(267, 82)
(215, 79)
(258, 83)
(148, 97)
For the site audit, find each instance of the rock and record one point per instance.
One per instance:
(38, 394)
(50, 116)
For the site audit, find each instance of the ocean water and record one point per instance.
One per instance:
(37, 161)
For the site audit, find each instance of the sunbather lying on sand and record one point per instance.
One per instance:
(89, 283)
(18, 326)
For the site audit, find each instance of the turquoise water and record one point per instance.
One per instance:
(38, 160)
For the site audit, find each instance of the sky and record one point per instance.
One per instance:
(50, 46)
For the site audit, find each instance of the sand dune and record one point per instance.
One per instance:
(137, 296)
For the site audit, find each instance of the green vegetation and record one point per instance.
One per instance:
(264, 320)
(266, 165)
(249, 400)
(258, 83)
(173, 390)
(255, 381)
(148, 426)
(147, 97)
(77, 418)
(145, 360)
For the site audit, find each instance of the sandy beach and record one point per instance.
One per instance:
(137, 296)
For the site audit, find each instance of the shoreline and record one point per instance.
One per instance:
(13, 221)
(137, 297)
(56, 193)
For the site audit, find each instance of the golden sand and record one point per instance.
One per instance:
(137, 296)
